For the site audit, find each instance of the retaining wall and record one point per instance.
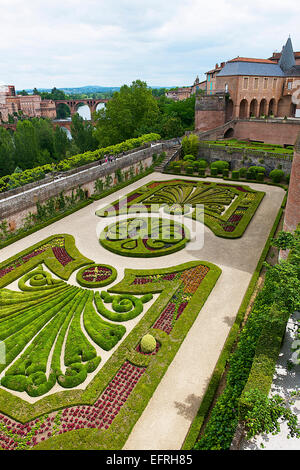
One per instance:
(246, 158)
(16, 204)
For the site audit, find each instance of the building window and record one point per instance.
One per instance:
(208, 77)
(245, 83)
(255, 85)
(290, 85)
(274, 82)
(265, 83)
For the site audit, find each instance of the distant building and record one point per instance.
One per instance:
(29, 105)
(183, 93)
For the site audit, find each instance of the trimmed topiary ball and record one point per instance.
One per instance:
(148, 343)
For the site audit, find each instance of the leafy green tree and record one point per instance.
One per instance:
(172, 127)
(6, 152)
(185, 110)
(45, 136)
(61, 143)
(27, 154)
(190, 145)
(83, 134)
(129, 110)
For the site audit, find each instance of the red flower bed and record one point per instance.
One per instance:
(100, 415)
(61, 255)
(165, 320)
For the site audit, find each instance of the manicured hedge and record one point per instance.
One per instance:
(82, 279)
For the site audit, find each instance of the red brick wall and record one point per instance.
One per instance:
(206, 120)
(270, 132)
(292, 211)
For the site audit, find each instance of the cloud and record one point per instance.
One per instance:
(97, 42)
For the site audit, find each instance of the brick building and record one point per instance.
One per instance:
(30, 105)
(179, 94)
(256, 87)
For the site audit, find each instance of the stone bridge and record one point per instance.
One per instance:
(74, 104)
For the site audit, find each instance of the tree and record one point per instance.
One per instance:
(130, 109)
(61, 143)
(83, 134)
(27, 154)
(6, 152)
(45, 136)
(184, 109)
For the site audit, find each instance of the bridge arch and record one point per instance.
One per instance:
(86, 111)
(63, 110)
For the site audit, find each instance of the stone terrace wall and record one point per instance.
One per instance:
(236, 157)
(17, 203)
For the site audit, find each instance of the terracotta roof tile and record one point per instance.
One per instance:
(249, 59)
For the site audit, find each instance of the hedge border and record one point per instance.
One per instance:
(64, 272)
(108, 245)
(240, 180)
(217, 374)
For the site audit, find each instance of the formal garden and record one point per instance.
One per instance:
(91, 321)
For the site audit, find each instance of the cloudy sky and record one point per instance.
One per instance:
(67, 43)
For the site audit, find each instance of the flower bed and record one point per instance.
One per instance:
(144, 237)
(220, 201)
(52, 315)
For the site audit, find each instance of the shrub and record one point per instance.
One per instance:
(235, 175)
(189, 170)
(214, 171)
(260, 176)
(148, 343)
(220, 165)
(190, 145)
(189, 157)
(243, 172)
(202, 163)
(256, 169)
(225, 172)
(201, 172)
(276, 175)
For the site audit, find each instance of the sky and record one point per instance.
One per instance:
(72, 43)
